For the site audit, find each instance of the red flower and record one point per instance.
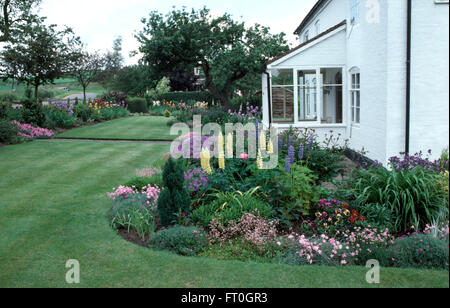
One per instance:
(345, 205)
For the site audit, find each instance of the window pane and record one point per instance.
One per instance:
(353, 114)
(282, 77)
(307, 95)
(332, 107)
(358, 81)
(283, 104)
(358, 99)
(358, 115)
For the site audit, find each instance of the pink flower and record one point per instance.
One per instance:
(243, 156)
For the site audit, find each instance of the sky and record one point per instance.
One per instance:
(99, 22)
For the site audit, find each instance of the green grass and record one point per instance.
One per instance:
(56, 88)
(130, 128)
(53, 207)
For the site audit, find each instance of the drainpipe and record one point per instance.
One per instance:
(408, 77)
(269, 97)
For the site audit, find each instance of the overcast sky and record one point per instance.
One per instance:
(99, 22)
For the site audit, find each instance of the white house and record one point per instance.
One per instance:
(376, 71)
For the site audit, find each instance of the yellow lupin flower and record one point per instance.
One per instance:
(221, 142)
(205, 158)
(270, 147)
(222, 162)
(230, 146)
(262, 141)
(259, 160)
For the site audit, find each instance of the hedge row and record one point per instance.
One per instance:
(187, 96)
(137, 104)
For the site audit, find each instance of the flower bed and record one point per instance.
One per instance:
(285, 215)
(30, 132)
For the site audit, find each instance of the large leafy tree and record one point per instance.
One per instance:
(14, 16)
(133, 80)
(113, 64)
(226, 50)
(86, 66)
(42, 55)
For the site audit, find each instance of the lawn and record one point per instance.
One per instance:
(131, 128)
(53, 207)
(56, 88)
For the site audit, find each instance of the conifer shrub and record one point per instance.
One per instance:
(174, 198)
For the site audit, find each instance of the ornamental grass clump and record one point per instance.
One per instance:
(174, 198)
(412, 196)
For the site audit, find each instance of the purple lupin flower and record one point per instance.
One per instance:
(301, 151)
(291, 140)
(291, 154)
(310, 142)
(280, 143)
(287, 165)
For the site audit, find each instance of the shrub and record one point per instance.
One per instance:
(8, 97)
(30, 132)
(137, 105)
(239, 250)
(4, 109)
(33, 113)
(251, 228)
(140, 182)
(185, 241)
(421, 251)
(134, 212)
(230, 206)
(114, 97)
(8, 132)
(163, 87)
(174, 198)
(413, 196)
(59, 118)
(186, 96)
(240, 101)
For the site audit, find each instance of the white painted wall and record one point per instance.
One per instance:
(378, 49)
(367, 49)
(430, 77)
(330, 15)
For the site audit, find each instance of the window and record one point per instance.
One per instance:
(332, 96)
(355, 94)
(306, 36)
(283, 95)
(307, 95)
(354, 11)
(317, 26)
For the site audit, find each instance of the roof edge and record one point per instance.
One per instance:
(342, 23)
(311, 13)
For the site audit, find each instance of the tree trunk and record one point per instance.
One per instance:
(36, 92)
(84, 94)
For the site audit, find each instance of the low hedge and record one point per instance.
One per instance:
(137, 105)
(187, 96)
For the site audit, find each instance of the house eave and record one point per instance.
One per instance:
(315, 40)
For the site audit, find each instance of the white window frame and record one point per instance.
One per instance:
(355, 11)
(355, 99)
(306, 36)
(317, 27)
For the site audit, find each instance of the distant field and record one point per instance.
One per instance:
(57, 88)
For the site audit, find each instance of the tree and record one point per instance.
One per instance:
(14, 15)
(42, 55)
(113, 64)
(182, 80)
(225, 50)
(86, 67)
(133, 80)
